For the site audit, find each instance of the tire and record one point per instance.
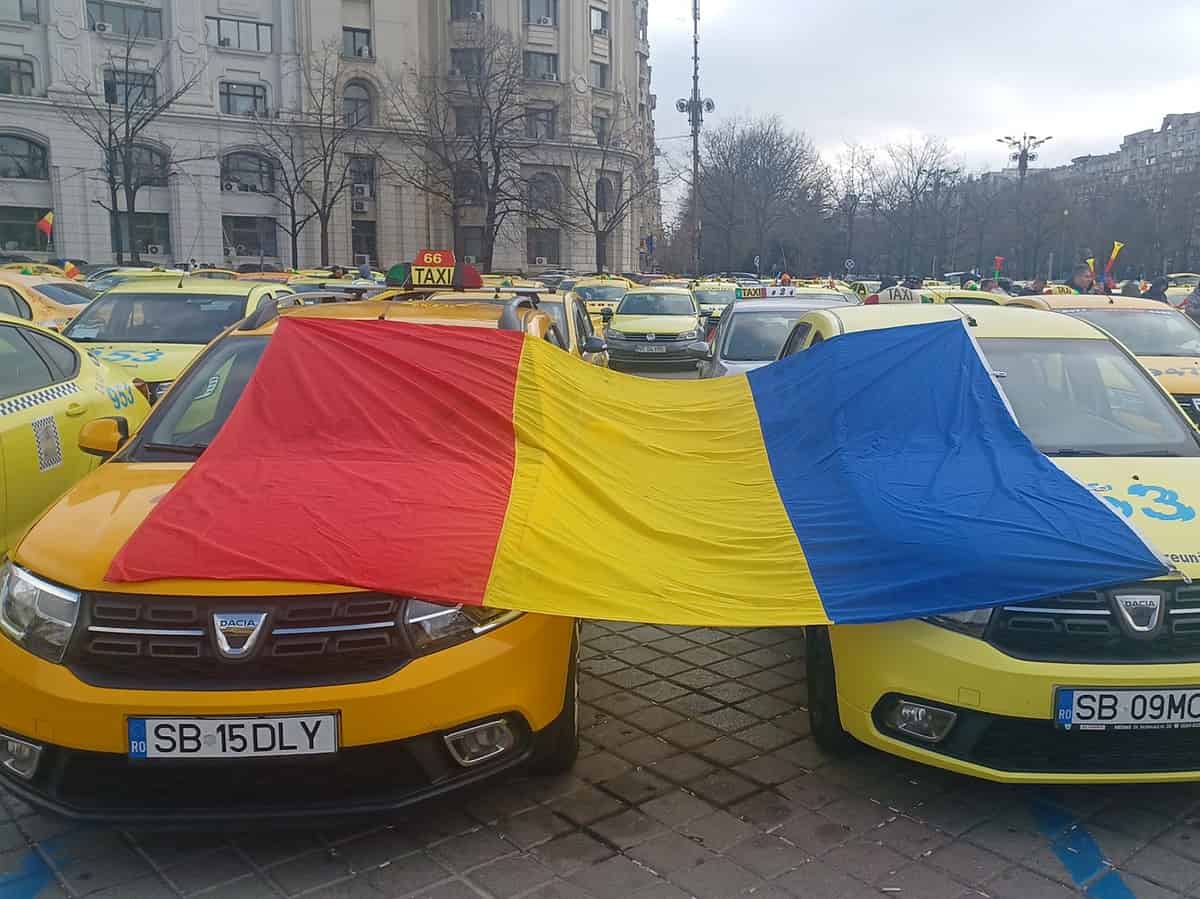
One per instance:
(556, 747)
(823, 713)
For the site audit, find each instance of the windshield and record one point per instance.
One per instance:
(656, 304)
(600, 292)
(1086, 398)
(556, 312)
(1183, 280)
(1147, 332)
(67, 294)
(714, 296)
(757, 336)
(156, 318)
(189, 417)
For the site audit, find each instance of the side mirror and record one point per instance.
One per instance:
(700, 350)
(606, 315)
(104, 436)
(595, 344)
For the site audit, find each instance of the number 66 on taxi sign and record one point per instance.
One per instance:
(436, 258)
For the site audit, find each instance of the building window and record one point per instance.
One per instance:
(363, 242)
(465, 61)
(643, 26)
(151, 234)
(250, 235)
(118, 18)
(362, 176)
(541, 12)
(541, 66)
(600, 74)
(356, 42)
(467, 122)
(468, 188)
(129, 89)
(22, 158)
(237, 34)
(600, 129)
(150, 167)
(541, 246)
(18, 227)
(356, 104)
(239, 98)
(18, 11)
(599, 21)
(604, 194)
(466, 9)
(248, 172)
(472, 243)
(16, 77)
(544, 193)
(541, 124)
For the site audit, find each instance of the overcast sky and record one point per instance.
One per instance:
(873, 71)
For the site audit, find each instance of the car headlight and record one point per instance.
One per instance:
(35, 614)
(612, 332)
(973, 623)
(689, 335)
(431, 626)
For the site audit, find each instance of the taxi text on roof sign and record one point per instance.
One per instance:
(758, 293)
(433, 268)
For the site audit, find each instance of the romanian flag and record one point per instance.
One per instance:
(71, 270)
(46, 224)
(877, 476)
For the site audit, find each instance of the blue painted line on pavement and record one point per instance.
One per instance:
(1079, 852)
(29, 879)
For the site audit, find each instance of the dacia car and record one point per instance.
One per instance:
(49, 301)
(204, 700)
(1090, 687)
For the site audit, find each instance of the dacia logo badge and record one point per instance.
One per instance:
(1140, 612)
(237, 632)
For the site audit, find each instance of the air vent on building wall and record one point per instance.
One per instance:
(364, 52)
(549, 76)
(229, 185)
(154, 249)
(545, 20)
(358, 205)
(469, 260)
(230, 252)
(361, 190)
(539, 260)
(477, 15)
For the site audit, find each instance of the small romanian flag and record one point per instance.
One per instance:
(46, 224)
(71, 270)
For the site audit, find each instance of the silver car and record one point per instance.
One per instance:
(752, 332)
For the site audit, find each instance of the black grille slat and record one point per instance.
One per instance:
(171, 644)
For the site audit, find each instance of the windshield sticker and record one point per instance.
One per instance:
(121, 397)
(85, 333)
(1165, 504)
(209, 389)
(217, 305)
(49, 444)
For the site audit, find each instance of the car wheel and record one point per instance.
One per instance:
(823, 714)
(556, 747)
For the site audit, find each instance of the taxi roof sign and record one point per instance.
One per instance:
(433, 268)
(758, 293)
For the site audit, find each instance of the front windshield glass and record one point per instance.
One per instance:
(1147, 332)
(66, 293)
(190, 416)
(598, 292)
(758, 336)
(1086, 398)
(556, 312)
(1184, 280)
(714, 296)
(656, 304)
(156, 318)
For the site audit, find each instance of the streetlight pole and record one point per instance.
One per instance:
(1022, 151)
(695, 107)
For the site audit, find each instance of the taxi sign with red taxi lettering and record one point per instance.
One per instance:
(433, 268)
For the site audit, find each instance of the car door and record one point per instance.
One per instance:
(583, 330)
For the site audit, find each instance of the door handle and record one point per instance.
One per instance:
(74, 409)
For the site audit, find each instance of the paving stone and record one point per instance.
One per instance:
(969, 863)
(450, 889)
(153, 887)
(591, 688)
(950, 814)
(911, 838)
(728, 719)
(677, 807)
(566, 854)
(661, 890)
(766, 736)
(669, 852)
(613, 877)
(1138, 886)
(717, 831)
(769, 657)
(814, 832)
(470, 849)
(602, 665)
(1021, 883)
(645, 750)
(866, 859)
(627, 829)
(1006, 839)
(766, 681)
(273, 847)
(818, 880)
(1183, 838)
(610, 643)
(1164, 867)
(768, 769)
(689, 734)
(726, 751)
(682, 768)
(716, 879)
(318, 869)
(922, 881)
(586, 805)
(655, 719)
(667, 666)
(622, 703)
(660, 690)
(798, 723)
(765, 707)
(767, 855)
(731, 691)
(638, 785)
(765, 809)
(613, 733)
(630, 677)
(722, 787)
(692, 705)
(702, 656)
(407, 874)
(637, 655)
(101, 871)
(697, 678)
(857, 814)
(673, 644)
(601, 766)
(532, 828)
(511, 876)
(812, 791)
(212, 868)
(647, 633)
(733, 668)
(559, 889)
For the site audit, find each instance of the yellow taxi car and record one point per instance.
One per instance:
(50, 302)
(35, 268)
(865, 288)
(712, 296)
(1165, 340)
(50, 390)
(1180, 285)
(600, 292)
(153, 327)
(957, 296)
(655, 326)
(983, 692)
(215, 274)
(401, 699)
(499, 279)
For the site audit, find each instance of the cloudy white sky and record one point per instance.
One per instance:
(872, 71)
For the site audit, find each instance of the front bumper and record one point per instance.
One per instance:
(1004, 730)
(637, 352)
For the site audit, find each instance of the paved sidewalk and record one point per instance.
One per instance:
(698, 778)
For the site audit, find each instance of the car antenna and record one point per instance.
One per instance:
(969, 319)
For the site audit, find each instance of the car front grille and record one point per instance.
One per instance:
(1189, 404)
(1022, 744)
(167, 642)
(1084, 627)
(641, 335)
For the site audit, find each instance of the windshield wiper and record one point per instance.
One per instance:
(1074, 451)
(182, 449)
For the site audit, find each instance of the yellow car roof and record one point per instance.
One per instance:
(470, 315)
(11, 277)
(714, 284)
(990, 321)
(193, 287)
(1099, 301)
(651, 288)
(593, 280)
(957, 293)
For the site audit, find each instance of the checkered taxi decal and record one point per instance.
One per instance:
(37, 397)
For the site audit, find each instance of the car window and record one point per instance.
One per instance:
(817, 338)
(155, 318)
(656, 304)
(555, 311)
(1147, 332)
(583, 322)
(63, 360)
(714, 296)
(66, 294)
(757, 336)
(1076, 397)
(21, 368)
(11, 304)
(795, 341)
(601, 292)
(972, 301)
(554, 336)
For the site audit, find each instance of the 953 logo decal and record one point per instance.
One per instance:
(1150, 500)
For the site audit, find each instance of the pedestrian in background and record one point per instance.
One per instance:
(1082, 280)
(1131, 289)
(1158, 289)
(1034, 288)
(989, 285)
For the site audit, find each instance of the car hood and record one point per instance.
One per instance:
(113, 500)
(740, 368)
(1178, 374)
(1159, 497)
(152, 362)
(655, 324)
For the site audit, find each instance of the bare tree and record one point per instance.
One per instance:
(313, 146)
(117, 116)
(852, 178)
(723, 174)
(466, 133)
